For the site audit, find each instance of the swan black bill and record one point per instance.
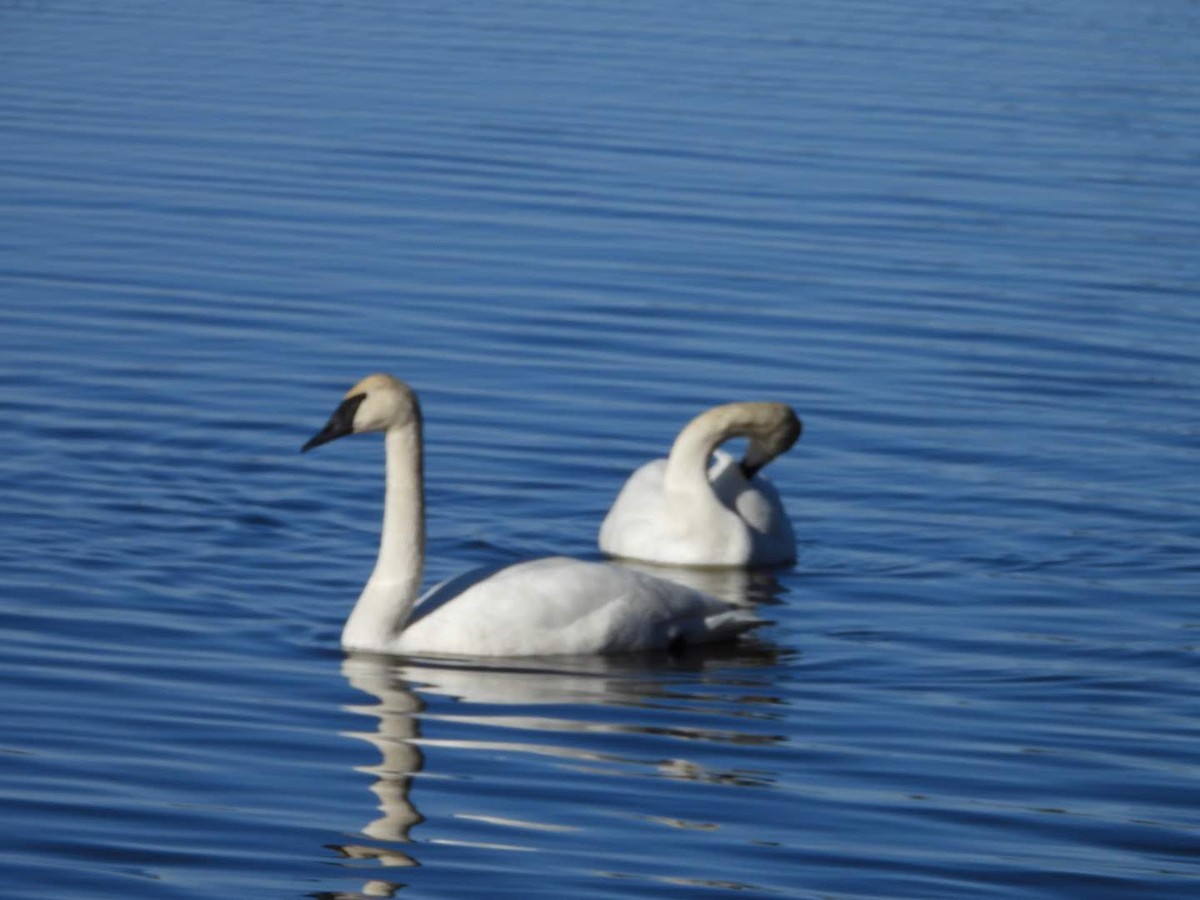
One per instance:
(340, 424)
(749, 470)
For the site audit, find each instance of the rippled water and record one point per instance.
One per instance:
(960, 240)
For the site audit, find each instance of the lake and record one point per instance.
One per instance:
(960, 240)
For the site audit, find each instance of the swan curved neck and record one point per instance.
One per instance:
(771, 427)
(384, 606)
(687, 464)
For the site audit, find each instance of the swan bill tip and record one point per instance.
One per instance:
(315, 441)
(340, 424)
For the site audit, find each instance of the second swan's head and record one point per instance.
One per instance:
(772, 428)
(376, 403)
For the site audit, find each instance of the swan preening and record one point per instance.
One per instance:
(687, 511)
(548, 606)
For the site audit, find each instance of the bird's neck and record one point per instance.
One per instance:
(387, 599)
(686, 477)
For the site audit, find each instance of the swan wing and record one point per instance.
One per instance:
(747, 525)
(645, 524)
(635, 514)
(760, 510)
(559, 606)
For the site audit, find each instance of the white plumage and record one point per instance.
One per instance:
(559, 605)
(546, 606)
(700, 507)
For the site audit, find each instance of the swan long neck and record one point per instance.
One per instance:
(387, 599)
(771, 427)
(687, 465)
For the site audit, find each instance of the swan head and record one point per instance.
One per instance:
(376, 403)
(772, 428)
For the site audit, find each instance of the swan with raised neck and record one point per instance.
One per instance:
(545, 606)
(700, 507)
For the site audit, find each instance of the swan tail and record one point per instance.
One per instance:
(726, 625)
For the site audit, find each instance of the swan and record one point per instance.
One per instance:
(686, 511)
(550, 606)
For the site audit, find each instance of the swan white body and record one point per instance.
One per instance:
(700, 507)
(546, 606)
(556, 606)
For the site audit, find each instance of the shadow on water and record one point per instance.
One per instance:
(741, 587)
(559, 708)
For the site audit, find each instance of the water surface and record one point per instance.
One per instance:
(960, 241)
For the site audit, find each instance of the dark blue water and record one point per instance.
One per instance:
(961, 240)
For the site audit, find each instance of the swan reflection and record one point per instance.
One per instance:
(558, 709)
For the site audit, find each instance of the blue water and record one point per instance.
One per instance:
(961, 240)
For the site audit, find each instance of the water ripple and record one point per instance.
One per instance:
(961, 242)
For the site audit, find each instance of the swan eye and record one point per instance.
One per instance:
(340, 424)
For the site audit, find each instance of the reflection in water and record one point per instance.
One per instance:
(591, 697)
(394, 739)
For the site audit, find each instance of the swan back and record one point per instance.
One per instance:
(558, 606)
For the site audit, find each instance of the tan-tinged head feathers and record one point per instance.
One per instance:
(376, 403)
(772, 428)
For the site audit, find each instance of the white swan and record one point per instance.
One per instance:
(683, 511)
(543, 607)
